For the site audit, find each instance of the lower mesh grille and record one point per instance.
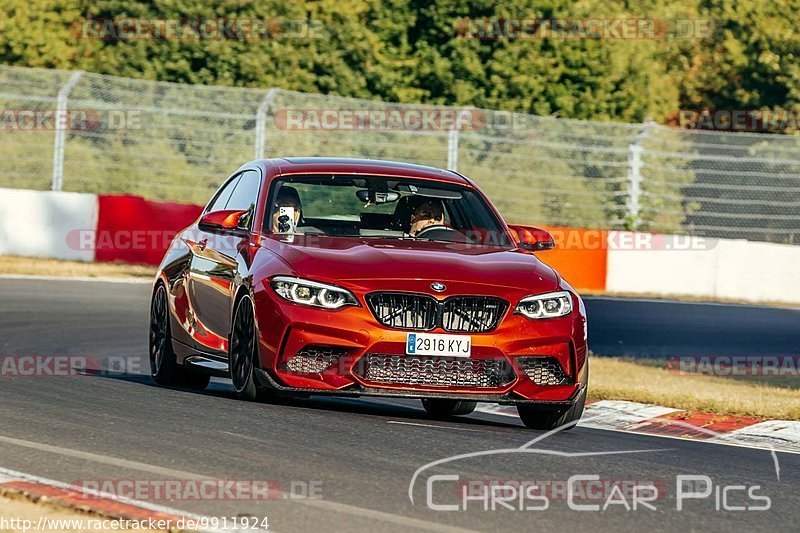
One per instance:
(314, 359)
(543, 370)
(435, 371)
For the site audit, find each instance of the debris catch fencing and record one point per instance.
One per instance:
(77, 131)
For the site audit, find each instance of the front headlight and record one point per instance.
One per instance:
(550, 305)
(313, 293)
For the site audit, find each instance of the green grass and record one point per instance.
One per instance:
(648, 381)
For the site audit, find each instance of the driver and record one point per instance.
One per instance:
(429, 212)
(287, 197)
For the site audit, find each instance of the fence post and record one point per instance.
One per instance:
(261, 122)
(452, 141)
(61, 124)
(452, 148)
(635, 150)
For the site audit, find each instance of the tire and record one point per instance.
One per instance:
(163, 367)
(242, 352)
(437, 408)
(545, 420)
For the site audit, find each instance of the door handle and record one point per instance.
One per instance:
(202, 244)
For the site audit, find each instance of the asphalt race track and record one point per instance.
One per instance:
(662, 328)
(360, 455)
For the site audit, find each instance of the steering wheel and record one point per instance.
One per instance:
(440, 232)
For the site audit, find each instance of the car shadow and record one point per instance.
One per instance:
(365, 405)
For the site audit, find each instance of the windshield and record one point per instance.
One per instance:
(380, 207)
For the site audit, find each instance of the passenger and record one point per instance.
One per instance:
(287, 197)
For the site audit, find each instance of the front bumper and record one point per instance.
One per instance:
(267, 381)
(350, 335)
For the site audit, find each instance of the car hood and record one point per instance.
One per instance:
(367, 262)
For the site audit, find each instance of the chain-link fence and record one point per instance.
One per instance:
(78, 131)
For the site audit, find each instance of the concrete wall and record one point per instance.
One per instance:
(758, 271)
(717, 268)
(43, 224)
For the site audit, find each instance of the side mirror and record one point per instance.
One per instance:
(227, 220)
(531, 238)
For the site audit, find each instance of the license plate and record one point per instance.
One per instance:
(435, 344)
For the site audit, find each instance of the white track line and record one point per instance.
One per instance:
(784, 435)
(326, 505)
(774, 435)
(7, 475)
(618, 414)
(449, 428)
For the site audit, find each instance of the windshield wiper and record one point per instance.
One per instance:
(425, 239)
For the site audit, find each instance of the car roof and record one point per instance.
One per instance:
(313, 165)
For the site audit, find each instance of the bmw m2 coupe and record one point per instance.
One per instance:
(355, 277)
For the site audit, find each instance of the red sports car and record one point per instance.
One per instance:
(356, 277)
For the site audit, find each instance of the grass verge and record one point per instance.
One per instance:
(55, 267)
(650, 382)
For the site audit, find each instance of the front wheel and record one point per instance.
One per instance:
(437, 408)
(242, 352)
(545, 420)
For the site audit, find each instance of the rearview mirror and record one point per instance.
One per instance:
(227, 220)
(377, 197)
(531, 238)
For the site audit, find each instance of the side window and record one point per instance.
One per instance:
(223, 196)
(245, 195)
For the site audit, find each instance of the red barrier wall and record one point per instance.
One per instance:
(135, 230)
